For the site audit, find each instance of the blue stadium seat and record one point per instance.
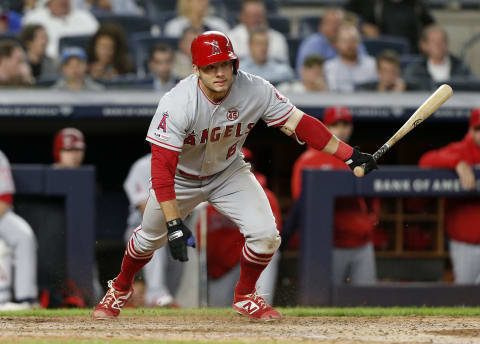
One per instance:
(407, 59)
(293, 45)
(462, 84)
(235, 5)
(73, 41)
(130, 24)
(377, 45)
(308, 25)
(129, 81)
(142, 43)
(279, 23)
(154, 7)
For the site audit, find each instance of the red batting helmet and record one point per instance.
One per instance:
(336, 113)
(67, 138)
(211, 47)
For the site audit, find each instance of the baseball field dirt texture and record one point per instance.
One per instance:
(299, 325)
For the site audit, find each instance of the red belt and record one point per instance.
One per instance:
(194, 176)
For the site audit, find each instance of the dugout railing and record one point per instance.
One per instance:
(315, 263)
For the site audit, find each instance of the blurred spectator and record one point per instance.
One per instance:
(194, 13)
(389, 74)
(349, 68)
(74, 71)
(312, 78)
(224, 246)
(437, 65)
(128, 7)
(252, 15)
(159, 288)
(35, 40)
(323, 42)
(108, 53)
(258, 62)
(61, 20)
(69, 148)
(10, 21)
(182, 65)
(355, 218)
(160, 64)
(21, 249)
(14, 70)
(462, 215)
(404, 18)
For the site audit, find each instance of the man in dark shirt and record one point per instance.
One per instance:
(403, 18)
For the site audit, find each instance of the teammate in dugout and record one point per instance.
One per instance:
(196, 136)
(355, 218)
(462, 215)
(20, 239)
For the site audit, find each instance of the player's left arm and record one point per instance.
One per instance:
(314, 133)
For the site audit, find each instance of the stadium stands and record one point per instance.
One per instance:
(376, 45)
(129, 23)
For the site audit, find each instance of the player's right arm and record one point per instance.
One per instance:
(166, 134)
(313, 132)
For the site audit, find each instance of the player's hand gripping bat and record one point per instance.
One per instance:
(429, 106)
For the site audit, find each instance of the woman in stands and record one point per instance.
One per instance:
(108, 53)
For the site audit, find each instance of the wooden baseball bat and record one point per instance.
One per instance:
(429, 106)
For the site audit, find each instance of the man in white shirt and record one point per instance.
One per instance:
(160, 64)
(61, 20)
(260, 64)
(437, 65)
(194, 13)
(252, 15)
(312, 77)
(349, 68)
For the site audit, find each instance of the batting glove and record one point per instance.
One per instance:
(179, 237)
(364, 160)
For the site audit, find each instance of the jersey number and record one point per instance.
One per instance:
(231, 150)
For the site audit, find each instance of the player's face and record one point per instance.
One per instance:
(475, 133)
(342, 130)
(71, 158)
(215, 79)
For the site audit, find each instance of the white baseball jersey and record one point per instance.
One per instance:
(6, 179)
(210, 135)
(137, 186)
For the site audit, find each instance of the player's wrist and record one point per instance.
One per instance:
(344, 151)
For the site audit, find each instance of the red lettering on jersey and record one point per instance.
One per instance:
(238, 132)
(204, 136)
(163, 123)
(228, 131)
(249, 127)
(190, 140)
(231, 150)
(214, 136)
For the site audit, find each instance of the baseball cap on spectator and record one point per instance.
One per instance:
(475, 118)
(336, 113)
(68, 53)
(68, 139)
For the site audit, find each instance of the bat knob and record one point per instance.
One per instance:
(359, 171)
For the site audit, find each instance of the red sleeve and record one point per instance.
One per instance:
(164, 164)
(446, 157)
(7, 198)
(313, 132)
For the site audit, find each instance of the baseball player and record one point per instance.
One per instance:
(137, 186)
(355, 218)
(19, 237)
(196, 136)
(69, 148)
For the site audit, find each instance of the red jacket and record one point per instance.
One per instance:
(353, 222)
(462, 216)
(225, 242)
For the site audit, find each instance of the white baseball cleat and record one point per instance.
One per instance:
(112, 303)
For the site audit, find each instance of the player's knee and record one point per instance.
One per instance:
(266, 243)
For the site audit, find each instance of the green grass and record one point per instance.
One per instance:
(294, 312)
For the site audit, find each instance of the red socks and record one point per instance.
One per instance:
(130, 267)
(251, 266)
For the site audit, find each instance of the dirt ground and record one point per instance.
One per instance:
(226, 329)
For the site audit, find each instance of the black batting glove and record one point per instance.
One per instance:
(364, 160)
(179, 237)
